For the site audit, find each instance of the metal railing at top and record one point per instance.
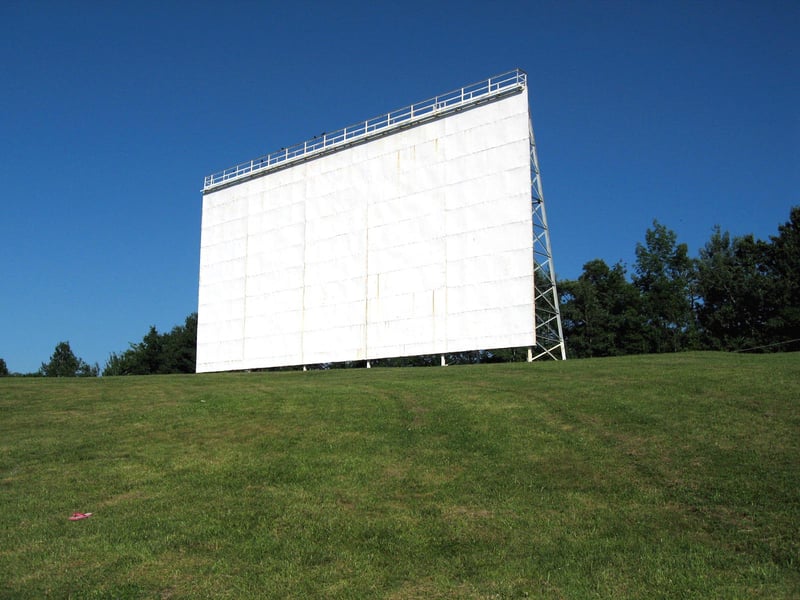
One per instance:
(407, 115)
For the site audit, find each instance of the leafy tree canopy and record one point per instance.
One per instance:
(159, 353)
(739, 294)
(601, 312)
(664, 276)
(64, 363)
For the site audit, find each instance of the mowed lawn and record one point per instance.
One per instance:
(671, 476)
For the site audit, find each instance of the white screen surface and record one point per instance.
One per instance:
(418, 242)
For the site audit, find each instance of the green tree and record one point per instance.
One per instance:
(3, 368)
(157, 353)
(116, 365)
(144, 358)
(180, 347)
(665, 278)
(151, 354)
(733, 286)
(600, 312)
(783, 297)
(750, 290)
(64, 363)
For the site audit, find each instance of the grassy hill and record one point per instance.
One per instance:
(673, 476)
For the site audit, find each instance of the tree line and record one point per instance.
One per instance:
(158, 353)
(738, 294)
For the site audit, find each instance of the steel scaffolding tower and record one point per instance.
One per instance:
(549, 333)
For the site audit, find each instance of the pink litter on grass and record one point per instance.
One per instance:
(78, 516)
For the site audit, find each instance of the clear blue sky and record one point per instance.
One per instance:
(111, 114)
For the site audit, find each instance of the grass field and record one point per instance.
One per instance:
(672, 476)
